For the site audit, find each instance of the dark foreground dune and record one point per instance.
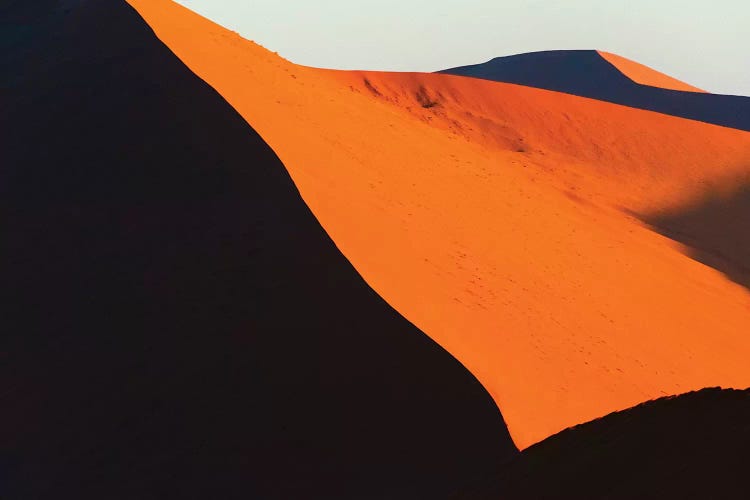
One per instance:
(692, 446)
(586, 73)
(176, 323)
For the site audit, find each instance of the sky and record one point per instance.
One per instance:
(704, 43)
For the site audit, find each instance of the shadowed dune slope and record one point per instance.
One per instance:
(176, 323)
(589, 73)
(695, 445)
(495, 217)
(714, 229)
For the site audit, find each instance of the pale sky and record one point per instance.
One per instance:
(704, 43)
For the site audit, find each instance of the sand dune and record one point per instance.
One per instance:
(496, 218)
(175, 322)
(644, 75)
(610, 78)
(688, 446)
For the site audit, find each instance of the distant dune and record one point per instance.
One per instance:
(505, 221)
(606, 77)
(176, 324)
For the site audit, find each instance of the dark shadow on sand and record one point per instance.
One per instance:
(175, 322)
(692, 446)
(716, 231)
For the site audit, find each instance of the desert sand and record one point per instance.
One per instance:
(504, 221)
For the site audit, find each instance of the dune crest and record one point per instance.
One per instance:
(495, 218)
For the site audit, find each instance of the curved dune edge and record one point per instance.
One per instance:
(644, 75)
(484, 213)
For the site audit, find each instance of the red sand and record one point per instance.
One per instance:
(645, 75)
(490, 215)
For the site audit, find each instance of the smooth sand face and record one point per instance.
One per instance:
(645, 75)
(494, 217)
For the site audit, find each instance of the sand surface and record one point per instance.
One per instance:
(500, 220)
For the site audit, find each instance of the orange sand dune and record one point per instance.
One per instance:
(490, 216)
(645, 75)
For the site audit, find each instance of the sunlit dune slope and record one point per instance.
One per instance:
(644, 75)
(493, 216)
